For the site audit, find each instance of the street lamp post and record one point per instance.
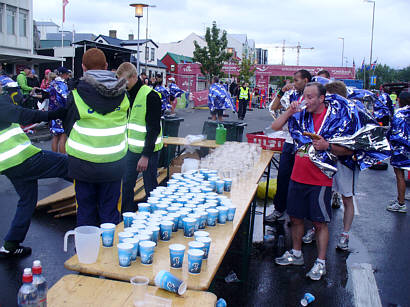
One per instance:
(146, 39)
(343, 48)
(371, 41)
(138, 13)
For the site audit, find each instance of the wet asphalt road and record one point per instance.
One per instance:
(380, 238)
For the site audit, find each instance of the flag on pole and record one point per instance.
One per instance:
(354, 65)
(362, 68)
(65, 2)
(373, 65)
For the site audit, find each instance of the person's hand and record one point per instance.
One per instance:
(287, 87)
(320, 144)
(294, 107)
(142, 164)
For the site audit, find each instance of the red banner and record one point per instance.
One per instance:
(200, 98)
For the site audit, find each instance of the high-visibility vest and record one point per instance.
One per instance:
(243, 94)
(98, 138)
(137, 129)
(15, 147)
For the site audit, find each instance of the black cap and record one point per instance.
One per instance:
(63, 70)
(404, 95)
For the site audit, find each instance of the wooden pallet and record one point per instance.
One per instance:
(63, 202)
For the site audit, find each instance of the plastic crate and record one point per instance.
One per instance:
(266, 142)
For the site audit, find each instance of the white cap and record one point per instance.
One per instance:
(36, 263)
(27, 271)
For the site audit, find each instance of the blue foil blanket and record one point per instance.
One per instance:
(398, 136)
(58, 97)
(174, 90)
(164, 97)
(219, 98)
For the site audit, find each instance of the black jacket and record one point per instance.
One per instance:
(152, 117)
(102, 100)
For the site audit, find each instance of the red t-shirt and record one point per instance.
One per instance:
(304, 171)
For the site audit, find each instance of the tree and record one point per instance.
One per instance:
(246, 69)
(214, 54)
(384, 74)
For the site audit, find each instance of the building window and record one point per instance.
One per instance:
(146, 53)
(23, 14)
(1, 17)
(11, 18)
(152, 54)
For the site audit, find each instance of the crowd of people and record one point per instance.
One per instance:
(315, 113)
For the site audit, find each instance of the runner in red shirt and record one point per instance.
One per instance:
(310, 190)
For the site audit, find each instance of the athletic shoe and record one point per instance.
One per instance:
(289, 259)
(343, 243)
(336, 200)
(317, 271)
(274, 216)
(396, 207)
(20, 251)
(309, 236)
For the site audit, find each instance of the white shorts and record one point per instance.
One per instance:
(345, 180)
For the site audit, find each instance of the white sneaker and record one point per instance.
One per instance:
(309, 236)
(274, 216)
(317, 271)
(394, 206)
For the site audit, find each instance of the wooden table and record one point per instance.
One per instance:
(77, 290)
(172, 140)
(222, 235)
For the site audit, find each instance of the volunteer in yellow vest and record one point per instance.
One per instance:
(144, 136)
(23, 164)
(96, 125)
(244, 97)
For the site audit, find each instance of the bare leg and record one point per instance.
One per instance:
(401, 185)
(220, 118)
(349, 213)
(322, 238)
(54, 143)
(213, 116)
(297, 233)
(61, 143)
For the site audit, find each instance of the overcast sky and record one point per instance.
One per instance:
(313, 23)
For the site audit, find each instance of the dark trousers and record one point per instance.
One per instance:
(243, 104)
(45, 164)
(97, 202)
(287, 159)
(131, 175)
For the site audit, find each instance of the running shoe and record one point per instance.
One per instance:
(19, 251)
(309, 236)
(274, 216)
(317, 271)
(343, 243)
(289, 259)
(394, 206)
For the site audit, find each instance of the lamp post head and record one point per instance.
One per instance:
(138, 9)
(369, 1)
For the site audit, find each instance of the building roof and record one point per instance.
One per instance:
(104, 46)
(137, 42)
(110, 40)
(46, 23)
(69, 36)
(178, 58)
(161, 65)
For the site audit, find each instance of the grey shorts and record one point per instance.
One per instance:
(345, 180)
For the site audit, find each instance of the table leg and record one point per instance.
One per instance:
(266, 195)
(246, 249)
(168, 160)
(252, 224)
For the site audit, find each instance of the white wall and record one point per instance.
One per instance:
(15, 42)
(44, 29)
(143, 54)
(185, 47)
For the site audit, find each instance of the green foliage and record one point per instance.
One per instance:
(385, 74)
(212, 56)
(246, 69)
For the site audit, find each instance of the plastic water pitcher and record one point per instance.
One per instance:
(220, 136)
(87, 243)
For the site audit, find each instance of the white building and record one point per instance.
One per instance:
(184, 47)
(242, 45)
(46, 27)
(16, 36)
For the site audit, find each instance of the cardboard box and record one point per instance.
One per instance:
(176, 164)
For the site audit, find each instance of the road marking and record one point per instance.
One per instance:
(365, 290)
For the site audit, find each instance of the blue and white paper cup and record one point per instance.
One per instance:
(155, 232)
(147, 252)
(175, 219)
(107, 234)
(123, 235)
(165, 280)
(227, 184)
(196, 245)
(135, 243)
(203, 219)
(207, 245)
(165, 231)
(134, 230)
(183, 214)
(176, 255)
(124, 254)
(141, 238)
(223, 214)
(212, 217)
(219, 186)
(144, 207)
(231, 212)
(195, 260)
(200, 233)
(197, 218)
(128, 217)
(147, 232)
(189, 227)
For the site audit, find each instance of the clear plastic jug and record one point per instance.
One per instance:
(87, 243)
